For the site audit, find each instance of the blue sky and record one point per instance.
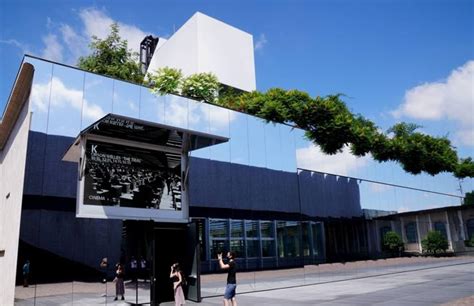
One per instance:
(395, 60)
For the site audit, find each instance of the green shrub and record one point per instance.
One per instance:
(392, 242)
(201, 86)
(434, 243)
(165, 81)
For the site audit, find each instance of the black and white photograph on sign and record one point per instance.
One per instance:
(124, 176)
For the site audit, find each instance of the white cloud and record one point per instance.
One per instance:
(66, 43)
(77, 45)
(97, 23)
(61, 97)
(344, 163)
(261, 42)
(53, 50)
(450, 99)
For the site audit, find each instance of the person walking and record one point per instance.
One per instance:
(26, 273)
(176, 276)
(231, 267)
(119, 285)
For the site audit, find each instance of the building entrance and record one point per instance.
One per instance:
(175, 243)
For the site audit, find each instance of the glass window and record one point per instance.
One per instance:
(237, 228)
(317, 238)
(273, 146)
(288, 239)
(239, 145)
(268, 248)
(98, 93)
(237, 246)
(126, 99)
(306, 238)
(218, 228)
(251, 228)
(66, 101)
(176, 111)
(440, 227)
(266, 228)
(410, 231)
(40, 94)
(253, 248)
(256, 140)
(470, 228)
(152, 108)
(218, 246)
(219, 119)
(288, 148)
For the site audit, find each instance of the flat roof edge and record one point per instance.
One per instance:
(18, 97)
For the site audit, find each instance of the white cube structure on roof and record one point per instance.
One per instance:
(205, 44)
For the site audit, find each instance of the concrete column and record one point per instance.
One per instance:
(462, 233)
(418, 233)
(448, 231)
(402, 224)
(430, 223)
(377, 237)
(369, 241)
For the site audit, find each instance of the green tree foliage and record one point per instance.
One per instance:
(469, 198)
(434, 242)
(329, 124)
(392, 242)
(111, 57)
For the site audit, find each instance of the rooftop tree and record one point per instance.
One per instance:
(111, 57)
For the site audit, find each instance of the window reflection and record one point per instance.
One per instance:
(288, 148)
(199, 121)
(257, 155)
(176, 111)
(40, 94)
(66, 101)
(152, 107)
(273, 146)
(219, 125)
(126, 99)
(98, 92)
(239, 146)
(288, 239)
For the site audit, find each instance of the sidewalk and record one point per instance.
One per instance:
(434, 281)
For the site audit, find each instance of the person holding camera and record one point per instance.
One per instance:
(230, 266)
(177, 278)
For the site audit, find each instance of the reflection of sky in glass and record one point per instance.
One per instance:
(273, 146)
(257, 142)
(219, 125)
(66, 101)
(391, 198)
(152, 107)
(176, 111)
(68, 93)
(239, 146)
(288, 155)
(40, 93)
(126, 99)
(199, 116)
(199, 120)
(98, 94)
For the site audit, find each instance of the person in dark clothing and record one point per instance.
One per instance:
(231, 267)
(119, 285)
(26, 273)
